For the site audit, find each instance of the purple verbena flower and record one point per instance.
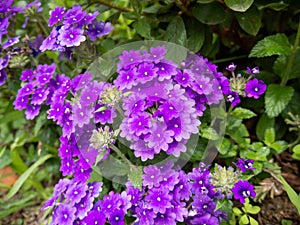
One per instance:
(255, 88)
(70, 37)
(242, 190)
(244, 165)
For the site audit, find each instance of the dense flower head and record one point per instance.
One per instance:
(160, 114)
(246, 87)
(71, 27)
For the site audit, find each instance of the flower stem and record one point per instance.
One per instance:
(110, 5)
(291, 59)
(119, 153)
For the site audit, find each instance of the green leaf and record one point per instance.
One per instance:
(5, 158)
(40, 121)
(293, 196)
(176, 32)
(17, 161)
(263, 124)
(205, 1)
(277, 6)
(252, 221)
(280, 65)
(244, 219)
(256, 151)
(11, 116)
(26, 175)
(209, 133)
(269, 136)
(239, 5)
(296, 149)
(250, 21)
(242, 113)
(276, 98)
(143, 27)
(212, 13)
(279, 146)
(272, 45)
(195, 35)
(253, 209)
(237, 211)
(135, 176)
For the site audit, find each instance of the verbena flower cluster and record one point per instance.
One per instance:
(246, 87)
(161, 112)
(168, 196)
(8, 47)
(70, 28)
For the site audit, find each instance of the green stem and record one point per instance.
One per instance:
(291, 59)
(119, 153)
(110, 5)
(229, 59)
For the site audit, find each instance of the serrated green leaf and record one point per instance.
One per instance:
(212, 13)
(26, 175)
(269, 136)
(276, 98)
(239, 5)
(244, 219)
(242, 113)
(135, 176)
(143, 27)
(176, 32)
(272, 45)
(280, 65)
(250, 21)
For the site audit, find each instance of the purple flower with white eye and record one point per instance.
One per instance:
(159, 199)
(126, 79)
(255, 88)
(70, 37)
(242, 190)
(56, 15)
(117, 217)
(50, 42)
(244, 165)
(231, 67)
(76, 192)
(64, 214)
(32, 111)
(67, 166)
(139, 124)
(233, 98)
(10, 42)
(207, 219)
(165, 218)
(152, 176)
(84, 206)
(74, 16)
(146, 72)
(27, 75)
(95, 217)
(253, 71)
(94, 189)
(98, 29)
